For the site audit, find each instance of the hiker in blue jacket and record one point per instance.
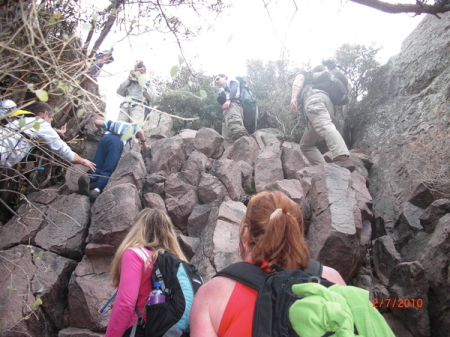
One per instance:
(107, 157)
(233, 115)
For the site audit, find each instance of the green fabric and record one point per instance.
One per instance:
(368, 320)
(337, 309)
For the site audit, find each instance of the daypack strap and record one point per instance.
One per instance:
(253, 276)
(247, 273)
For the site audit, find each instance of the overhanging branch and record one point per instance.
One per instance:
(418, 8)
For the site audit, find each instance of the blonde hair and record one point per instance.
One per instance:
(152, 228)
(273, 231)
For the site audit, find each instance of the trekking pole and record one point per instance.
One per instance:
(107, 303)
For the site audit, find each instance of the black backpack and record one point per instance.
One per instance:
(275, 297)
(180, 281)
(248, 101)
(328, 78)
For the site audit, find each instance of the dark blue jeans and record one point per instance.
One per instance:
(106, 158)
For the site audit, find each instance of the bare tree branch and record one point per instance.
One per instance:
(418, 8)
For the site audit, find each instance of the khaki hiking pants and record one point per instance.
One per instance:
(233, 124)
(130, 109)
(320, 111)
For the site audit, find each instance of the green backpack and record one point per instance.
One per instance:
(249, 105)
(301, 303)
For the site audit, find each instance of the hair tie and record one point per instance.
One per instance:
(275, 213)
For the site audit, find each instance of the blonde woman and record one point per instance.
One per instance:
(133, 265)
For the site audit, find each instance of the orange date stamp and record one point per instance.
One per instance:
(398, 303)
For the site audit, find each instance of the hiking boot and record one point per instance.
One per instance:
(343, 161)
(93, 195)
(83, 185)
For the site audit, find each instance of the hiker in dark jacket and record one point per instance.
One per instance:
(319, 110)
(132, 268)
(233, 115)
(271, 232)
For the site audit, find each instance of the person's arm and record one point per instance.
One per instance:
(127, 294)
(200, 319)
(99, 124)
(141, 136)
(122, 89)
(50, 137)
(78, 160)
(297, 86)
(333, 275)
(232, 95)
(149, 93)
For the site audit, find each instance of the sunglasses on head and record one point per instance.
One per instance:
(217, 79)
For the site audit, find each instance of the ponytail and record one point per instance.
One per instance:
(275, 231)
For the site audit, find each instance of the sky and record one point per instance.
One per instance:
(249, 30)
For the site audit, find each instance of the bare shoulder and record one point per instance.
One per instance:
(209, 305)
(333, 275)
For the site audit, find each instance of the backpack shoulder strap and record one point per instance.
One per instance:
(246, 273)
(314, 267)
(254, 277)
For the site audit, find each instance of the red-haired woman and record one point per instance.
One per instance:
(271, 232)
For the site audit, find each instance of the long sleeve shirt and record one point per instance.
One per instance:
(134, 287)
(133, 89)
(14, 146)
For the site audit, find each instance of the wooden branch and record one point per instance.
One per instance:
(418, 8)
(109, 23)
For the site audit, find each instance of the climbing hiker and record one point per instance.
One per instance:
(138, 96)
(317, 104)
(232, 123)
(16, 140)
(107, 157)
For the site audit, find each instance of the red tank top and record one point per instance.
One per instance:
(237, 319)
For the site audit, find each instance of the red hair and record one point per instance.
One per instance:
(275, 231)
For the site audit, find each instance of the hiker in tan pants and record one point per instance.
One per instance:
(319, 109)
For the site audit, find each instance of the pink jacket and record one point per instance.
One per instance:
(134, 286)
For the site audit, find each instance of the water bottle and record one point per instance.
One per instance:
(156, 295)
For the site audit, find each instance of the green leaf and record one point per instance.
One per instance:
(142, 79)
(56, 110)
(94, 16)
(51, 22)
(80, 112)
(114, 11)
(174, 71)
(37, 303)
(11, 288)
(42, 95)
(57, 16)
(86, 27)
(128, 99)
(203, 94)
(37, 126)
(127, 134)
(140, 120)
(81, 92)
(21, 122)
(230, 38)
(180, 60)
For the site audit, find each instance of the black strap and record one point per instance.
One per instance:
(253, 276)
